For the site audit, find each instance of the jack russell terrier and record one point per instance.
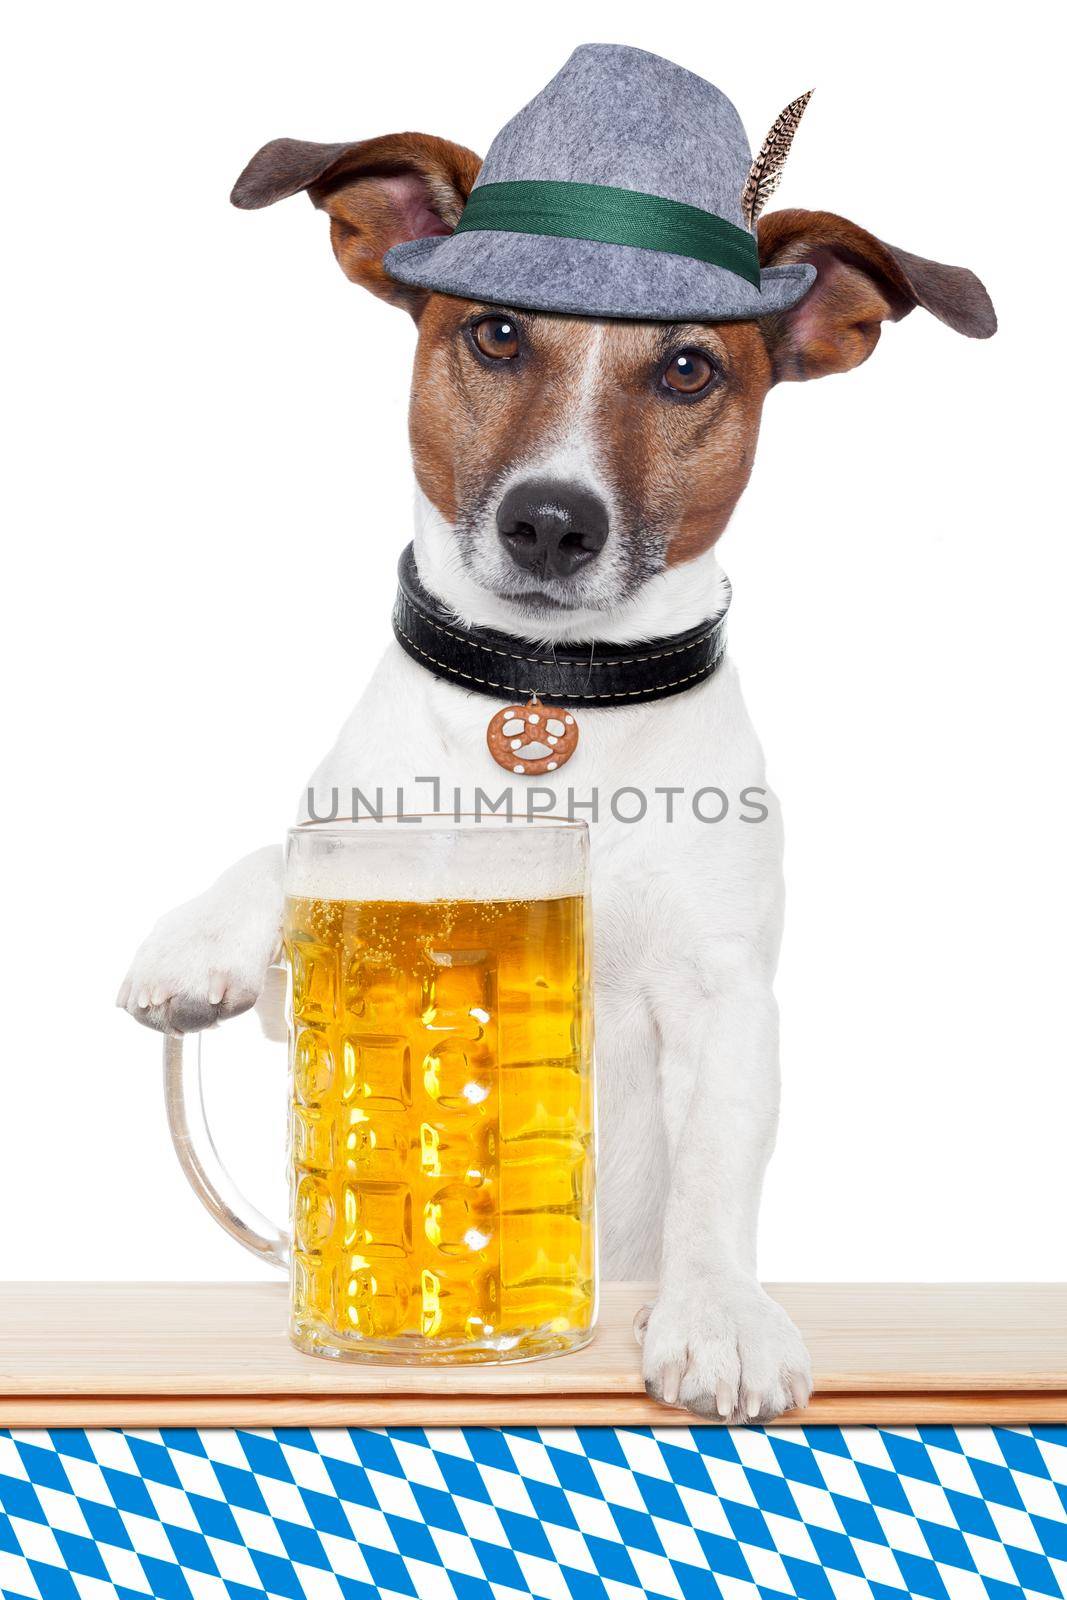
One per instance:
(597, 332)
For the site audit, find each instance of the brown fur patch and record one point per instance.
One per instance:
(676, 468)
(469, 421)
(680, 466)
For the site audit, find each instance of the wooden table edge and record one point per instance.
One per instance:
(843, 1408)
(618, 1388)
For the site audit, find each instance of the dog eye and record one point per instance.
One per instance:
(497, 337)
(689, 372)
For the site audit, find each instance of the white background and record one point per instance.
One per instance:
(209, 487)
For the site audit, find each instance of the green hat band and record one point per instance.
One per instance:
(612, 216)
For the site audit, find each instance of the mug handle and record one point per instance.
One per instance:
(199, 1160)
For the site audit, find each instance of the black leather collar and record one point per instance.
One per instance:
(593, 674)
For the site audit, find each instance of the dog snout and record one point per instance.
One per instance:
(552, 529)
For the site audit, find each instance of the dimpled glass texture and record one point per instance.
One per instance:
(442, 1127)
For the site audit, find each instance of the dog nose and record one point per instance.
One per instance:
(552, 529)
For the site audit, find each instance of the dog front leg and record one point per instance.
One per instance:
(714, 1341)
(207, 959)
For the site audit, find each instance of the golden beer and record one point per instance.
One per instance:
(442, 1127)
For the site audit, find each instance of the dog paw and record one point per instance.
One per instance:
(727, 1351)
(194, 970)
(192, 1006)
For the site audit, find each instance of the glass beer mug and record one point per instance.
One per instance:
(441, 1137)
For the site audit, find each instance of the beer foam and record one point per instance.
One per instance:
(432, 857)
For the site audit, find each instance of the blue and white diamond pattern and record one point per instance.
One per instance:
(557, 1514)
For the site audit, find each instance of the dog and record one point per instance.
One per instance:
(574, 476)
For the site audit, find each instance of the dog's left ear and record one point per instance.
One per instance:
(377, 193)
(861, 283)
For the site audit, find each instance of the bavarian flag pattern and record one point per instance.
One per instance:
(557, 1514)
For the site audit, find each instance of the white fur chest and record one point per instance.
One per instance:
(674, 792)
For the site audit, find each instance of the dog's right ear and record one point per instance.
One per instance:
(861, 283)
(377, 193)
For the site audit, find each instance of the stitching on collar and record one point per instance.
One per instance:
(547, 661)
(619, 694)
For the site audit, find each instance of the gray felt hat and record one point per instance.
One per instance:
(615, 193)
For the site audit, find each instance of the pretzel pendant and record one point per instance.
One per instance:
(533, 738)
